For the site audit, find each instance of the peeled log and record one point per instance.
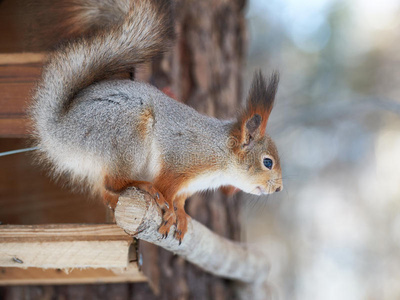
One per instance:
(139, 215)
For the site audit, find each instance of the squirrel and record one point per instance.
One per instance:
(112, 134)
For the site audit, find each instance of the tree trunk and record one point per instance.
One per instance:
(203, 69)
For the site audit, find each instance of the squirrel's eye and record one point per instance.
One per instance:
(268, 163)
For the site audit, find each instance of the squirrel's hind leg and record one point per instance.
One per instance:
(174, 210)
(169, 219)
(181, 218)
(175, 215)
(114, 186)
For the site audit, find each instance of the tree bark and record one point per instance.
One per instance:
(204, 71)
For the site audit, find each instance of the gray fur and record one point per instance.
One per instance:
(86, 132)
(117, 106)
(88, 127)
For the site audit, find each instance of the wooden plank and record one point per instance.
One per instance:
(64, 246)
(11, 37)
(21, 58)
(19, 73)
(16, 127)
(14, 98)
(18, 276)
(62, 232)
(29, 197)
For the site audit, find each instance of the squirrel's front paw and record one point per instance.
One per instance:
(181, 225)
(155, 194)
(169, 219)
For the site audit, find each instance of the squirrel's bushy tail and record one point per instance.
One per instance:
(50, 22)
(145, 31)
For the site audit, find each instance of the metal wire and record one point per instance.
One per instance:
(18, 151)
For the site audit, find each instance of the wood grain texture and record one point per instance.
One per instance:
(30, 276)
(15, 127)
(18, 75)
(62, 232)
(21, 58)
(29, 196)
(11, 35)
(64, 246)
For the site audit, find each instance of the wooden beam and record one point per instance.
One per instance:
(64, 246)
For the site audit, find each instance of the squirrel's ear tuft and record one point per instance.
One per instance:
(252, 122)
(261, 97)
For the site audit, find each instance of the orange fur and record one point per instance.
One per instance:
(115, 185)
(146, 122)
(168, 91)
(229, 190)
(181, 217)
(170, 182)
(167, 185)
(110, 199)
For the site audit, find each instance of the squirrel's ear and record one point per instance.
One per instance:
(261, 98)
(252, 122)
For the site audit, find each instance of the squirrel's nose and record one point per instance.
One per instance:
(278, 189)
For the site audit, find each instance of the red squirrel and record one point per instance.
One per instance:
(111, 134)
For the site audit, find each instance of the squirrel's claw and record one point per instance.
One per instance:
(178, 236)
(181, 225)
(169, 219)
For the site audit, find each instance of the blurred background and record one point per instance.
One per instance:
(334, 231)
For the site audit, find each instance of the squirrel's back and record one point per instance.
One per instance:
(144, 32)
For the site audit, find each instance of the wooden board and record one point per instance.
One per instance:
(18, 75)
(37, 276)
(29, 197)
(64, 246)
(11, 36)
